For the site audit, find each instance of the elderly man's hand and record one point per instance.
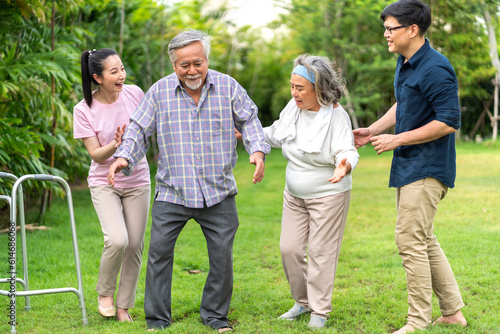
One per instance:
(257, 159)
(115, 167)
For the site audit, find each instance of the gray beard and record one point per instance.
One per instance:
(195, 86)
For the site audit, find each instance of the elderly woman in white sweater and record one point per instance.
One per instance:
(315, 135)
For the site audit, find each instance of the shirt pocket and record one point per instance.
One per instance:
(220, 121)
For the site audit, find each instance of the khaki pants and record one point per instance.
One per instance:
(123, 214)
(426, 265)
(316, 227)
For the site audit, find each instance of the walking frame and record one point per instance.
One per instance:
(17, 196)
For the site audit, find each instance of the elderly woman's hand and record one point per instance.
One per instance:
(340, 171)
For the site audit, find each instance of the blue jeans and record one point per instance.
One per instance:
(219, 224)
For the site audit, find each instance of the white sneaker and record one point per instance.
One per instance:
(294, 312)
(316, 322)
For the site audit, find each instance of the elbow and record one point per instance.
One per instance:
(444, 129)
(98, 159)
(450, 130)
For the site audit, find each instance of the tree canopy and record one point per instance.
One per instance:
(41, 43)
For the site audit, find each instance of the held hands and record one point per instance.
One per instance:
(119, 134)
(257, 159)
(115, 167)
(340, 171)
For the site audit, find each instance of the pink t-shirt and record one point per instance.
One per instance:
(101, 121)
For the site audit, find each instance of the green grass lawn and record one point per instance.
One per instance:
(370, 289)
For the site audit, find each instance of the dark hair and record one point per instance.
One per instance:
(409, 12)
(93, 63)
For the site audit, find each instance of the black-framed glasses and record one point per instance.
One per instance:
(394, 28)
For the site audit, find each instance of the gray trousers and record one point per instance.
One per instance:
(219, 224)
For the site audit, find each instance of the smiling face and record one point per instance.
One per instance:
(303, 93)
(397, 39)
(113, 75)
(191, 66)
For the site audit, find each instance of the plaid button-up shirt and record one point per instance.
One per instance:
(197, 143)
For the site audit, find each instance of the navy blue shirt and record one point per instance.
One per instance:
(426, 89)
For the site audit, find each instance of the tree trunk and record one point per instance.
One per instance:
(47, 193)
(350, 108)
(494, 121)
(122, 24)
(495, 61)
(255, 77)
(480, 120)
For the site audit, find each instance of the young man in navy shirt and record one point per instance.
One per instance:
(425, 116)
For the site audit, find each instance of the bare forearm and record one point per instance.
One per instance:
(429, 132)
(101, 154)
(385, 122)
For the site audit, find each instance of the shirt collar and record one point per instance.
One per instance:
(417, 57)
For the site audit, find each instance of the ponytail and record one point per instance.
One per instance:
(92, 62)
(86, 78)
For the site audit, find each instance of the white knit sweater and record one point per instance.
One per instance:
(307, 173)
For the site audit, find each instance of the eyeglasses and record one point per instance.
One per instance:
(394, 28)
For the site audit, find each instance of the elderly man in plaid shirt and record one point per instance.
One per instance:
(194, 112)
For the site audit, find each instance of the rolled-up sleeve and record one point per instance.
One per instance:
(441, 90)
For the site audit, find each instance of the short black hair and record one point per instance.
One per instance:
(409, 12)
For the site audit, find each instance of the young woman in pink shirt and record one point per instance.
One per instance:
(100, 120)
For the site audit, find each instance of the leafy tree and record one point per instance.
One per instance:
(350, 32)
(41, 42)
(35, 84)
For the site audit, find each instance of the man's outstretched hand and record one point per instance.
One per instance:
(115, 167)
(361, 136)
(257, 159)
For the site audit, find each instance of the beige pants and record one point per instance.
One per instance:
(313, 227)
(123, 214)
(426, 266)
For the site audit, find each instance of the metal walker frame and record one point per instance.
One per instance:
(17, 195)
